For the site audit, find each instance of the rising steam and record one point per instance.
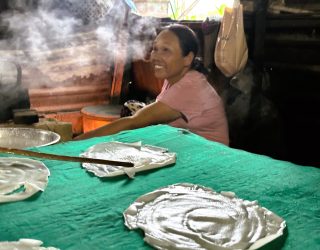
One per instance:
(88, 31)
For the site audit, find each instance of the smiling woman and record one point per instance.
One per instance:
(187, 100)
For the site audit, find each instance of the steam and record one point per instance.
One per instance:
(89, 32)
(36, 30)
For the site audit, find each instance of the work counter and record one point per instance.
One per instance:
(79, 211)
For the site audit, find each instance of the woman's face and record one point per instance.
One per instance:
(167, 59)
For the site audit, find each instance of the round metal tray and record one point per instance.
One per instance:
(20, 138)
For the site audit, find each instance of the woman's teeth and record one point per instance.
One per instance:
(158, 66)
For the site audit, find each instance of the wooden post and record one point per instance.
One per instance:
(259, 22)
(259, 31)
(120, 61)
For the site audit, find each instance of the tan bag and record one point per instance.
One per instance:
(231, 52)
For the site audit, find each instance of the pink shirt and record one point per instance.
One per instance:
(201, 107)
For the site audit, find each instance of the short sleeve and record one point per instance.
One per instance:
(189, 96)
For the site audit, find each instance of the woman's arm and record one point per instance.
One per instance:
(154, 113)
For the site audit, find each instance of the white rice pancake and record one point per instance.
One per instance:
(21, 178)
(24, 244)
(144, 158)
(188, 216)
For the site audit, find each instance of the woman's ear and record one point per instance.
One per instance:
(188, 59)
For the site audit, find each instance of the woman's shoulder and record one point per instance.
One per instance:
(193, 74)
(198, 84)
(194, 79)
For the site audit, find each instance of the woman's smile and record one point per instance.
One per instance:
(158, 66)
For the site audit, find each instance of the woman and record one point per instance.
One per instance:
(186, 100)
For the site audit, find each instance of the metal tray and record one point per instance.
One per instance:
(27, 137)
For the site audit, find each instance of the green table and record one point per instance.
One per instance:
(80, 211)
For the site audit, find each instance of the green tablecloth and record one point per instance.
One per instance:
(80, 211)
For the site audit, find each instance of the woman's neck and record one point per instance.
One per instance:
(177, 79)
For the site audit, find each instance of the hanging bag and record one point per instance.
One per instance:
(231, 51)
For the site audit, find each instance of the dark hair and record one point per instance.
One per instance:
(189, 42)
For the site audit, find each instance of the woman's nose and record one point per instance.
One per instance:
(153, 55)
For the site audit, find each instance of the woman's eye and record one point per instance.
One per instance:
(165, 49)
(160, 50)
